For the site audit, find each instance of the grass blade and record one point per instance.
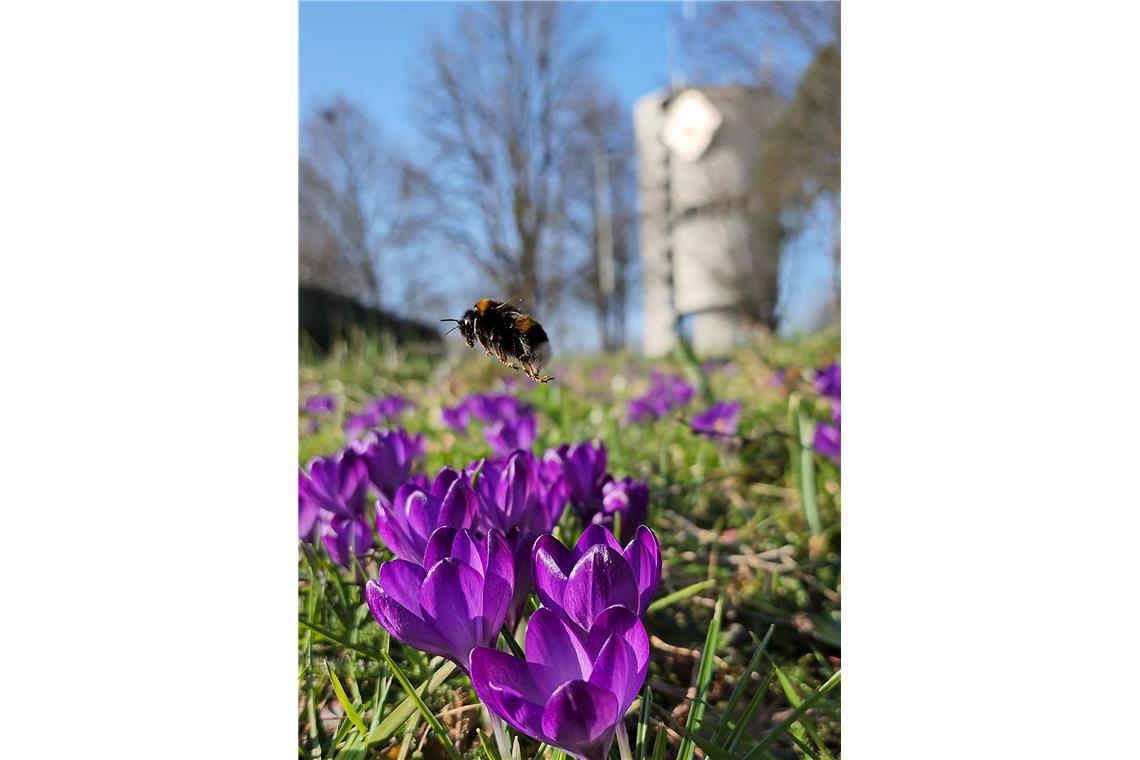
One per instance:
(643, 722)
(704, 678)
(429, 716)
(794, 698)
(745, 678)
(488, 748)
(334, 638)
(349, 711)
(781, 729)
(391, 724)
(659, 743)
(677, 596)
(749, 714)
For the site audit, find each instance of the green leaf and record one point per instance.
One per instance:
(745, 679)
(643, 721)
(488, 748)
(429, 716)
(334, 638)
(392, 722)
(793, 697)
(659, 743)
(704, 678)
(345, 702)
(516, 650)
(677, 596)
(781, 729)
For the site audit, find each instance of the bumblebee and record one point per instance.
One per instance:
(509, 333)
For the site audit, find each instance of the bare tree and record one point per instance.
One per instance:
(357, 202)
(605, 219)
(498, 110)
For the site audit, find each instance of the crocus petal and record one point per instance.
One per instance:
(599, 580)
(452, 599)
(595, 535)
(551, 565)
(615, 670)
(499, 578)
(618, 623)
(643, 553)
(439, 545)
(580, 718)
(402, 580)
(554, 651)
(504, 684)
(401, 623)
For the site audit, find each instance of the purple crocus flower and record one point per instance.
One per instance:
(493, 407)
(780, 378)
(355, 424)
(408, 522)
(719, 420)
(345, 538)
(456, 417)
(390, 456)
(572, 690)
(826, 440)
(336, 485)
(455, 601)
(584, 469)
(388, 408)
(666, 393)
(512, 433)
(627, 497)
(307, 513)
(320, 404)
(827, 381)
(580, 584)
(517, 499)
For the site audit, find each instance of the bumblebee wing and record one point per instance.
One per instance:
(517, 298)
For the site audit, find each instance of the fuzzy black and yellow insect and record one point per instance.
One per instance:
(506, 333)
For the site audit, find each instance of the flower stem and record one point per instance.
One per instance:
(623, 742)
(500, 736)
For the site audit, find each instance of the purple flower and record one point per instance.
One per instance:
(493, 407)
(517, 499)
(307, 513)
(572, 690)
(355, 424)
(515, 493)
(390, 457)
(512, 434)
(780, 378)
(719, 420)
(666, 393)
(580, 584)
(456, 417)
(409, 521)
(627, 497)
(337, 485)
(826, 439)
(388, 408)
(584, 469)
(320, 404)
(456, 601)
(827, 381)
(345, 538)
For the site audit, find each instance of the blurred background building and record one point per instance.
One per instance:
(702, 263)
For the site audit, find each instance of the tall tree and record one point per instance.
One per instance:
(358, 201)
(498, 112)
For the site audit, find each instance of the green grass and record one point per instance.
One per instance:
(731, 518)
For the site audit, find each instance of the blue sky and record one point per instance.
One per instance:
(373, 52)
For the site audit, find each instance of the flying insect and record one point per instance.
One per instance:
(506, 333)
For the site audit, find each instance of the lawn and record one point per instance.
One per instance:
(744, 502)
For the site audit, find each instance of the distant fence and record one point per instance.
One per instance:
(327, 317)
